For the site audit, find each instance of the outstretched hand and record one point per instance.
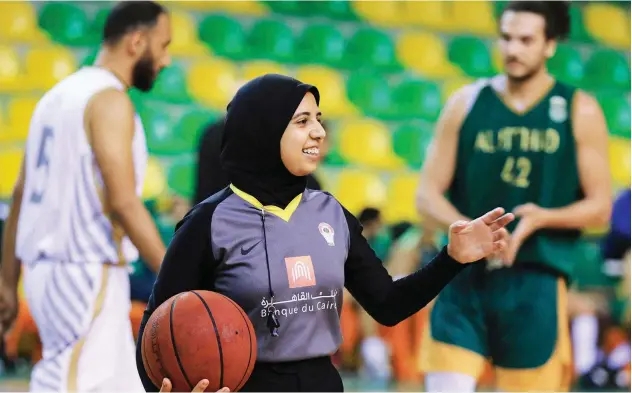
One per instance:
(166, 386)
(471, 241)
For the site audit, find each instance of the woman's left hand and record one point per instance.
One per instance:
(471, 241)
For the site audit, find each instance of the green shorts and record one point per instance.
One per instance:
(514, 317)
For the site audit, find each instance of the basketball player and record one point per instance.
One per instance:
(537, 147)
(76, 217)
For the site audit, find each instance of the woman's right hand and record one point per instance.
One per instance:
(166, 386)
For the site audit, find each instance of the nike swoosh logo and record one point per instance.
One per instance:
(246, 251)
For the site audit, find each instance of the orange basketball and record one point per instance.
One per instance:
(199, 335)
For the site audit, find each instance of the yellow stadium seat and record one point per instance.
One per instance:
(243, 7)
(10, 162)
(473, 17)
(619, 155)
(257, 68)
(380, 13)
(10, 78)
(497, 59)
(47, 66)
(332, 88)
(19, 116)
(357, 190)
(608, 23)
(185, 36)
(426, 54)
(401, 199)
(367, 142)
(18, 23)
(155, 181)
(213, 82)
(431, 14)
(450, 86)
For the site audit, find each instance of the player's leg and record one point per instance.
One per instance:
(529, 335)
(454, 346)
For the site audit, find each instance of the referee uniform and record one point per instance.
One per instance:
(284, 253)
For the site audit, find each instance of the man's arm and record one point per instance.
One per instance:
(110, 128)
(440, 162)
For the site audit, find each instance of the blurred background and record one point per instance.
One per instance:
(384, 70)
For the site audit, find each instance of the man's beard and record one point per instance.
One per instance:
(143, 75)
(526, 76)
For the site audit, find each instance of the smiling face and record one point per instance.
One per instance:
(303, 139)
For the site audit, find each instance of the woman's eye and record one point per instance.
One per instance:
(302, 121)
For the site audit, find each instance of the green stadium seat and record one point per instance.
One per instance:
(567, 65)
(289, 7)
(273, 40)
(607, 68)
(370, 92)
(181, 177)
(415, 98)
(617, 112)
(321, 44)
(192, 124)
(578, 28)
(333, 156)
(162, 140)
(66, 23)
(471, 55)
(98, 23)
(410, 141)
(370, 47)
(224, 35)
(171, 85)
(335, 9)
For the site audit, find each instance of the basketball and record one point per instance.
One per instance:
(199, 335)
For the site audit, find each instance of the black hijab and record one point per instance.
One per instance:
(251, 145)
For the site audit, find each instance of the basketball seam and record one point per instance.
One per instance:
(173, 341)
(150, 371)
(219, 341)
(249, 340)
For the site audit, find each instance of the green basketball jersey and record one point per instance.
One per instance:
(507, 159)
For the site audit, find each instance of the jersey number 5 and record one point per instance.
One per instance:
(42, 166)
(516, 171)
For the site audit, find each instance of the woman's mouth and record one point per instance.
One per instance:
(312, 152)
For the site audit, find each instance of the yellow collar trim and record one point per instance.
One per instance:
(283, 214)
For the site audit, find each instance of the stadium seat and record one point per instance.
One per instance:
(450, 86)
(213, 82)
(609, 24)
(335, 9)
(273, 40)
(425, 54)
(10, 162)
(617, 112)
(255, 68)
(414, 98)
(497, 59)
(567, 65)
(578, 26)
(96, 27)
(224, 35)
(18, 23)
(47, 66)
(370, 48)
(331, 86)
(619, 154)
(367, 142)
(371, 93)
(19, 116)
(289, 7)
(181, 177)
(155, 182)
(192, 124)
(66, 23)
(475, 17)
(379, 13)
(471, 55)
(430, 14)
(171, 85)
(162, 138)
(607, 68)
(244, 7)
(10, 75)
(358, 189)
(410, 141)
(185, 41)
(401, 199)
(320, 44)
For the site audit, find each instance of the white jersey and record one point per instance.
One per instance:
(62, 217)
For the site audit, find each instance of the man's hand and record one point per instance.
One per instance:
(166, 386)
(471, 241)
(532, 218)
(8, 306)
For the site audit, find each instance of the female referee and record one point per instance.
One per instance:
(284, 252)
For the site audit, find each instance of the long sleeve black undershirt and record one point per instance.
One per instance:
(189, 265)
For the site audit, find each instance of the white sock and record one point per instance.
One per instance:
(449, 382)
(585, 332)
